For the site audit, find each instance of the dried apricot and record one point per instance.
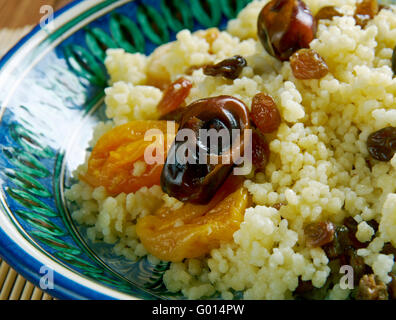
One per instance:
(194, 230)
(112, 160)
(174, 96)
(307, 64)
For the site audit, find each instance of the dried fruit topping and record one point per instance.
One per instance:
(175, 115)
(339, 245)
(319, 234)
(371, 288)
(328, 13)
(210, 35)
(352, 226)
(194, 230)
(307, 64)
(229, 68)
(382, 144)
(174, 96)
(192, 180)
(285, 26)
(265, 113)
(365, 11)
(113, 158)
(358, 265)
(260, 151)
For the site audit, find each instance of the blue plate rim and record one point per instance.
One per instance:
(64, 288)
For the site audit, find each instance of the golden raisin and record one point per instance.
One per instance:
(328, 13)
(365, 11)
(174, 96)
(371, 288)
(319, 234)
(307, 64)
(265, 114)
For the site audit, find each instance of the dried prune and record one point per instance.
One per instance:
(230, 68)
(191, 179)
(174, 96)
(328, 13)
(112, 159)
(307, 64)
(371, 288)
(265, 113)
(319, 234)
(365, 11)
(382, 144)
(285, 26)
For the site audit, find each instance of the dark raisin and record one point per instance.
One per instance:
(229, 68)
(373, 224)
(365, 11)
(278, 206)
(260, 150)
(319, 234)
(394, 61)
(352, 226)
(328, 13)
(304, 287)
(174, 96)
(340, 244)
(175, 115)
(307, 64)
(285, 26)
(382, 144)
(358, 265)
(371, 288)
(265, 113)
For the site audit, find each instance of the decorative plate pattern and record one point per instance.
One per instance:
(51, 96)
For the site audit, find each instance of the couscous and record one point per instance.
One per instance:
(318, 198)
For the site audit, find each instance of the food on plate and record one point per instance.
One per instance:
(302, 203)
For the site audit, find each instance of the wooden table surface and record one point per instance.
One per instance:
(20, 13)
